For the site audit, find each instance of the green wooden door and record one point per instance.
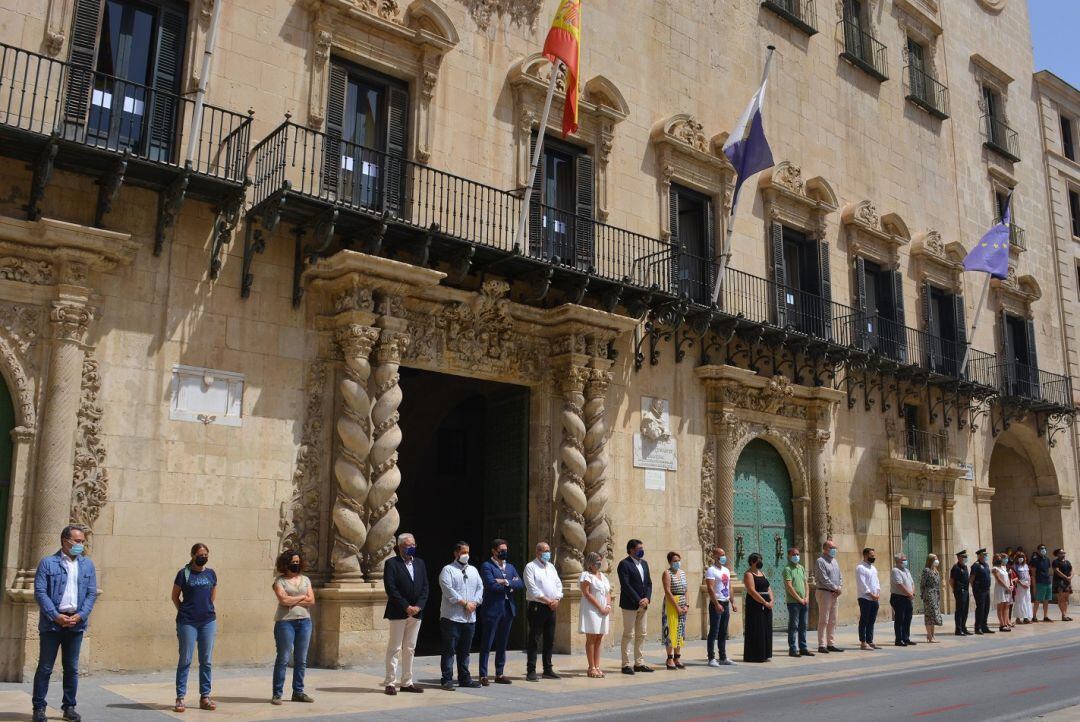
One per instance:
(763, 516)
(7, 423)
(915, 530)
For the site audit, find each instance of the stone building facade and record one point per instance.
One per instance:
(311, 325)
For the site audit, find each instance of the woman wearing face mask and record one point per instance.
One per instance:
(757, 632)
(676, 605)
(1022, 591)
(193, 593)
(292, 624)
(1002, 592)
(594, 615)
(930, 585)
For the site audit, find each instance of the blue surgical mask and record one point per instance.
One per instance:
(676, 565)
(795, 559)
(832, 553)
(76, 549)
(640, 553)
(545, 557)
(410, 551)
(903, 563)
(723, 561)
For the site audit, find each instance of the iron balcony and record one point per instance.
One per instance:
(864, 51)
(1017, 235)
(1000, 138)
(926, 447)
(1032, 387)
(925, 91)
(800, 13)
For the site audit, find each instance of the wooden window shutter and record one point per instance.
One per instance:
(397, 146)
(960, 322)
(536, 222)
(676, 267)
(825, 268)
(933, 347)
(85, 27)
(1032, 358)
(584, 230)
(710, 252)
(1007, 358)
(776, 233)
(898, 311)
(336, 90)
(164, 102)
(861, 329)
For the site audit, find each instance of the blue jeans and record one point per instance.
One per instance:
(292, 636)
(495, 634)
(868, 609)
(50, 643)
(798, 614)
(718, 629)
(456, 642)
(188, 635)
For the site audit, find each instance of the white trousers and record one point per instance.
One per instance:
(401, 646)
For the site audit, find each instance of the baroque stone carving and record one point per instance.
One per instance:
(572, 500)
(774, 398)
(789, 176)
(27, 271)
(323, 41)
(20, 327)
(653, 427)
(90, 484)
(522, 13)
(597, 521)
(71, 320)
(300, 514)
(385, 9)
(54, 42)
(691, 132)
(707, 531)
(867, 213)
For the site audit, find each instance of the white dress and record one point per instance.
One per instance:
(591, 621)
(1002, 593)
(1022, 595)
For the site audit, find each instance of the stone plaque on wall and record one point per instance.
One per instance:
(654, 445)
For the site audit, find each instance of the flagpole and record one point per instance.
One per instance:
(974, 324)
(729, 232)
(535, 162)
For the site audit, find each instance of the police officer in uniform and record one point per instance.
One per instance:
(960, 579)
(980, 588)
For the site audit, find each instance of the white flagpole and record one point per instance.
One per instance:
(975, 324)
(519, 237)
(725, 255)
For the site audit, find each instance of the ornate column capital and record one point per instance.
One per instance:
(356, 340)
(816, 439)
(596, 383)
(71, 321)
(391, 346)
(570, 379)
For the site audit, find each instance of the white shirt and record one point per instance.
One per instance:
(460, 583)
(866, 581)
(900, 581)
(640, 567)
(70, 601)
(542, 581)
(409, 568)
(721, 578)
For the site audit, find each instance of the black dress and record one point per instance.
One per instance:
(757, 636)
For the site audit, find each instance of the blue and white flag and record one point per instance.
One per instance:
(991, 253)
(746, 147)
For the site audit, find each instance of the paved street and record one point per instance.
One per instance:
(1026, 674)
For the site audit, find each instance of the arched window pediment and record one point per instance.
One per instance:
(873, 236)
(797, 203)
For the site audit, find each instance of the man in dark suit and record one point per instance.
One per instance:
(980, 589)
(406, 584)
(960, 578)
(635, 591)
(501, 582)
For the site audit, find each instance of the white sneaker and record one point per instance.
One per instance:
(713, 663)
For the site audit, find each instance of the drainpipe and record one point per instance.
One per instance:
(204, 76)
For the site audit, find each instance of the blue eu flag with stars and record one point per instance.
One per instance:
(991, 253)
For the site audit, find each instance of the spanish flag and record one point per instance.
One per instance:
(564, 43)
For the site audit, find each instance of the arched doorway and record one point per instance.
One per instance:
(1022, 475)
(7, 423)
(764, 521)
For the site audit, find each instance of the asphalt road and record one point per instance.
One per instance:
(1014, 686)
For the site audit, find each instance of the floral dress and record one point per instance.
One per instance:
(673, 625)
(931, 597)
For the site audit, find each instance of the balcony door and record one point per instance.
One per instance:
(917, 69)
(879, 298)
(943, 318)
(561, 209)
(134, 102)
(691, 219)
(1018, 349)
(854, 33)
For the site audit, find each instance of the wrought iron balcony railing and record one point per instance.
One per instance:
(1033, 385)
(1000, 138)
(864, 51)
(1017, 235)
(926, 447)
(800, 13)
(925, 91)
(41, 96)
(319, 167)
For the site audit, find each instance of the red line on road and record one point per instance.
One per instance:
(939, 710)
(1058, 657)
(826, 698)
(1029, 690)
(928, 681)
(1004, 668)
(711, 718)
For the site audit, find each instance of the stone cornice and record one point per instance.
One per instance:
(1054, 501)
(69, 244)
(982, 494)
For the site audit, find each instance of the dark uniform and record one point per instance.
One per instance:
(980, 587)
(960, 579)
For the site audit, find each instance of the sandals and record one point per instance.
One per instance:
(207, 704)
(668, 664)
(594, 672)
(179, 706)
(1066, 619)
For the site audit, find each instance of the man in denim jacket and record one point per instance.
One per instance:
(65, 588)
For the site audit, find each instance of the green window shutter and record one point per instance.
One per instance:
(397, 142)
(164, 102)
(776, 233)
(85, 26)
(584, 230)
(859, 286)
(335, 122)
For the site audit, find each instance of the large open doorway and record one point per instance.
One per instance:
(464, 468)
(1020, 472)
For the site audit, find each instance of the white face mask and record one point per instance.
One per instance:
(463, 559)
(936, 562)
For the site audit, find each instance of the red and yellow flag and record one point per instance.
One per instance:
(564, 43)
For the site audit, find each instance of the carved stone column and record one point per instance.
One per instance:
(383, 517)
(572, 501)
(69, 320)
(819, 486)
(597, 524)
(351, 465)
(727, 430)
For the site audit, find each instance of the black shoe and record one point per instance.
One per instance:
(989, 631)
(627, 670)
(642, 668)
(71, 715)
(301, 697)
(899, 644)
(792, 653)
(412, 688)
(484, 681)
(40, 716)
(448, 686)
(967, 633)
(978, 631)
(532, 677)
(805, 653)
(834, 649)
(822, 650)
(959, 634)
(909, 643)
(471, 684)
(550, 674)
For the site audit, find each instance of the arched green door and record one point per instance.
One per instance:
(7, 423)
(763, 517)
(916, 527)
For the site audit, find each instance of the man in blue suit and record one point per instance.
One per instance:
(501, 582)
(65, 587)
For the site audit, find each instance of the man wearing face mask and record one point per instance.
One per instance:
(1063, 574)
(721, 606)
(829, 582)
(462, 593)
(901, 592)
(65, 587)
(406, 584)
(798, 604)
(868, 589)
(497, 613)
(959, 577)
(635, 593)
(543, 592)
(980, 589)
(1040, 568)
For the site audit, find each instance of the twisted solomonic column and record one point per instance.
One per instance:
(351, 465)
(383, 516)
(572, 501)
(597, 524)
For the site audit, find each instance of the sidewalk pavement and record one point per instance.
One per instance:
(244, 693)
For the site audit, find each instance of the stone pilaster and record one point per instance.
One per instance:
(726, 458)
(597, 524)
(351, 462)
(572, 501)
(816, 440)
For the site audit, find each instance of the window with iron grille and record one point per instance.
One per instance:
(692, 227)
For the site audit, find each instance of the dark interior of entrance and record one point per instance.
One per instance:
(464, 469)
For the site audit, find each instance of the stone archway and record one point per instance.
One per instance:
(1026, 506)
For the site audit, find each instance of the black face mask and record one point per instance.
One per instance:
(503, 554)
(201, 561)
(871, 559)
(759, 564)
(294, 567)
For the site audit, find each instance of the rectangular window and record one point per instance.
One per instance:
(692, 229)
(805, 308)
(561, 212)
(917, 75)
(1068, 140)
(1074, 212)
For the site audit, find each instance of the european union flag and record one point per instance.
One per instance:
(991, 254)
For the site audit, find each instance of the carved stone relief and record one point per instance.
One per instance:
(26, 270)
(521, 13)
(20, 327)
(707, 532)
(90, 487)
(300, 514)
